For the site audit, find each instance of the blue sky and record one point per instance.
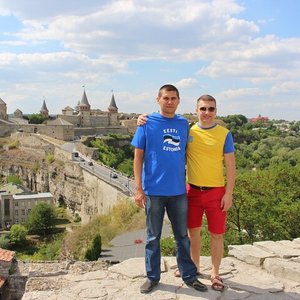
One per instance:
(246, 53)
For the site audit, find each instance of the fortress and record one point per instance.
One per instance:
(73, 122)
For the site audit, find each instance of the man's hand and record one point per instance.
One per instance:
(226, 201)
(141, 120)
(140, 198)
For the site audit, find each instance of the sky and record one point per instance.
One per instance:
(245, 53)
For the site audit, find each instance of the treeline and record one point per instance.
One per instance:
(261, 145)
(267, 194)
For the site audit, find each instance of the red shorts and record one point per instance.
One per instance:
(208, 202)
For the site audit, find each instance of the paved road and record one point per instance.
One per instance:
(105, 173)
(124, 246)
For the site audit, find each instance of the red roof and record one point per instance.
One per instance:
(2, 281)
(6, 255)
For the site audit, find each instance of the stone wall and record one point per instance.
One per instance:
(81, 191)
(99, 130)
(4, 268)
(33, 141)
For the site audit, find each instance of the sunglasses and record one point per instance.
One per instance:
(210, 109)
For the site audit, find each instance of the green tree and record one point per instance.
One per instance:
(41, 219)
(18, 234)
(94, 251)
(36, 118)
(266, 205)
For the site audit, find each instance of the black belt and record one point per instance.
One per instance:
(201, 188)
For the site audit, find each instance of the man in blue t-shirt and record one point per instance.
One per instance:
(159, 171)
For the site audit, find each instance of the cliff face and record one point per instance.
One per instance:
(79, 190)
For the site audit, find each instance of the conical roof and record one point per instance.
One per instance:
(44, 106)
(112, 104)
(84, 100)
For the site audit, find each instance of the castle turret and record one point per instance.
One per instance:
(84, 103)
(44, 110)
(112, 106)
(84, 111)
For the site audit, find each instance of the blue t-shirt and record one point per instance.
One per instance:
(164, 143)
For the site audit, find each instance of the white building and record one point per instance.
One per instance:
(16, 202)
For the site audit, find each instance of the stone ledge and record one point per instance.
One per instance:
(249, 254)
(283, 268)
(279, 249)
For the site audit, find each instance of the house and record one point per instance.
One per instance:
(259, 118)
(6, 259)
(16, 202)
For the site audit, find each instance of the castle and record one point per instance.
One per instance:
(73, 122)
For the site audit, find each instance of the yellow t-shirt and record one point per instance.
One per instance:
(205, 155)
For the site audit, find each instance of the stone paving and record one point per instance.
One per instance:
(254, 272)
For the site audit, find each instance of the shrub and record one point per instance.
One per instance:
(18, 234)
(167, 246)
(94, 251)
(4, 241)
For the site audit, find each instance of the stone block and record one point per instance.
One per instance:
(133, 267)
(249, 254)
(280, 250)
(286, 269)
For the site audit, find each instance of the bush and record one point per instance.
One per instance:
(18, 234)
(94, 251)
(167, 246)
(4, 241)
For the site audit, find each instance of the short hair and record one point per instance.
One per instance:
(168, 87)
(207, 98)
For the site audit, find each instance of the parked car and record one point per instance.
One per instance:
(91, 163)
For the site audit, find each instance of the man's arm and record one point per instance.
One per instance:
(139, 197)
(229, 159)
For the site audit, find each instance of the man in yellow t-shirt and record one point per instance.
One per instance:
(209, 147)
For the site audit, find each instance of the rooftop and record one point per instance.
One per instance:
(6, 255)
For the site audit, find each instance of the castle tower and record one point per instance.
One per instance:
(84, 103)
(84, 111)
(44, 110)
(3, 110)
(112, 106)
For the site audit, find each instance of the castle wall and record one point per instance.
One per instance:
(32, 141)
(114, 119)
(100, 130)
(74, 119)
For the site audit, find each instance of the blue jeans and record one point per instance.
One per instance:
(176, 207)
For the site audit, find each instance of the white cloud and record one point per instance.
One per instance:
(185, 83)
(64, 44)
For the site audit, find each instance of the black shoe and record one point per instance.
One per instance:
(148, 286)
(197, 285)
